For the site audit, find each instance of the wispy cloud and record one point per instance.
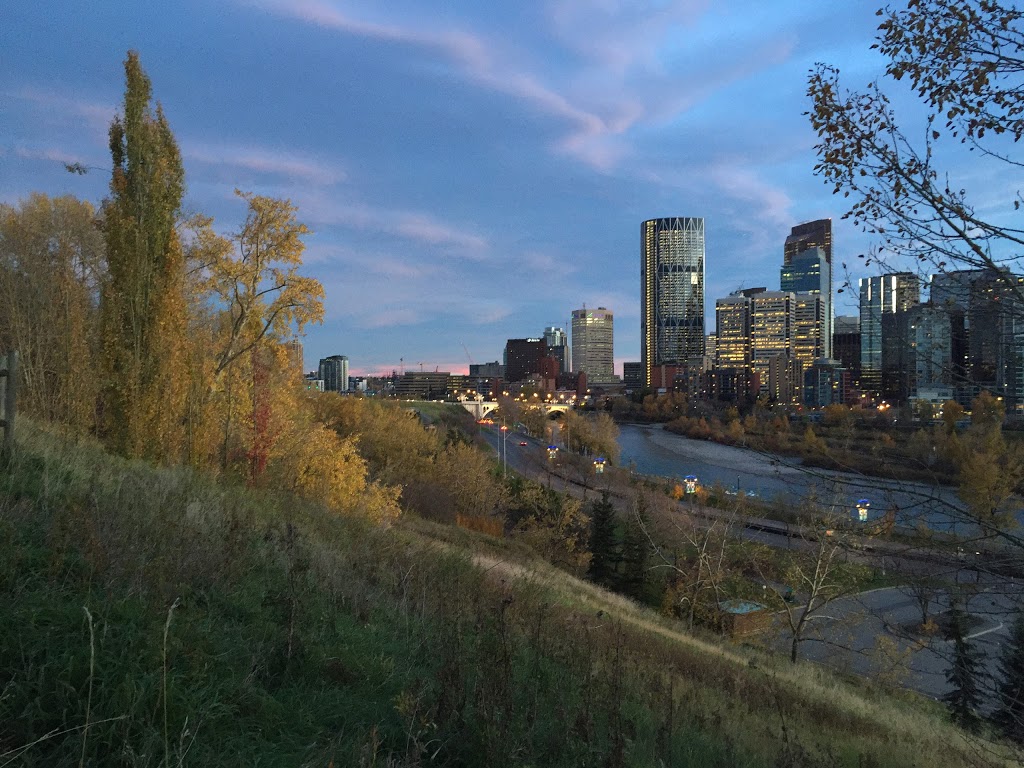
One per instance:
(293, 166)
(416, 226)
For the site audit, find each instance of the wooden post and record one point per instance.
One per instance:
(9, 376)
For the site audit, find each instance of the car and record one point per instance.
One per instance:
(523, 442)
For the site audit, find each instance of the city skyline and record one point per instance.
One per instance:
(469, 174)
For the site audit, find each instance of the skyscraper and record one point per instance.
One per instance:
(558, 346)
(811, 234)
(334, 372)
(671, 292)
(593, 344)
(880, 297)
(810, 272)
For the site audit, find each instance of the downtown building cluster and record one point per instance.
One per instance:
(786, 346)
(547, 363)
(777, 345)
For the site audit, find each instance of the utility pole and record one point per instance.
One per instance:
(9, 377)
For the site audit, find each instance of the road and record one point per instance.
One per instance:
(869, 634)
(865, 634)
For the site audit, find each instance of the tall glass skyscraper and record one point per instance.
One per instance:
(671, 292)
(880, 299)
(809, 272)
(593, 344)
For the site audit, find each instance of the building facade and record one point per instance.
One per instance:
(558, 347)
(523, 358)
(593, 342)
(671, 292)
(333, 371)
(881, 296)
(810, 272)
(772, 318)
(732, 321)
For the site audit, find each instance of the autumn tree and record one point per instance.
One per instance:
(51, 267)
(258, 281)
(815, 575)
(252, 280)
(144, 316)
(964, 59)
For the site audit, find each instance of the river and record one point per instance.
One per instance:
(653, 451)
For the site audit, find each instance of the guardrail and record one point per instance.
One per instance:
(8, 396)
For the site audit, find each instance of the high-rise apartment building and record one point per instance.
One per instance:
(671, 292)
(333, 371)
(593, 344)
(558, 346)
(881, 296)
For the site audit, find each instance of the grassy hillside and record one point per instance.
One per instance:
(151, 617)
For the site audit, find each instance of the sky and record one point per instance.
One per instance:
(470, 172)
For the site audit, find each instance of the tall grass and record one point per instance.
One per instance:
(230, 627)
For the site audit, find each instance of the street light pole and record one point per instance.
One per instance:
(504, 449)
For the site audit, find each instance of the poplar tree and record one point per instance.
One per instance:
(143, 305)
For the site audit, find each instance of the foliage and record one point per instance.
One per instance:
(51, 267)
(1009, 713)
(306, 638)
(964, 699)
(259, 287)
(636, 551)
(963, 59)
(143, 302)
(603, 544)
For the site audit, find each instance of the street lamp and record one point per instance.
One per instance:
(504, 449)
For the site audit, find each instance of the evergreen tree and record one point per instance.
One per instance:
(604, 545)
(144, 313)
(636, 550)
(1009, 715)
(965, 697)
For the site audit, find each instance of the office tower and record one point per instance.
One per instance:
(633, 375)
(523, 358)
(558, 346)
(933, 337)
(772, 318)
(882, 296)
(671, 292)
(334, 372)
(985, 307)
(593, 344)
(808, 328)
(846, 344)
(812, 234)
(732, 321)
(810, 271)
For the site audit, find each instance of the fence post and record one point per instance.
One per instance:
(9, 374)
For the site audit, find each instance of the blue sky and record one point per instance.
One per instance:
(470, 173)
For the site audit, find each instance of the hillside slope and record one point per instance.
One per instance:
(152, 617)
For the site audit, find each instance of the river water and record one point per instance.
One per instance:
(653, 451)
